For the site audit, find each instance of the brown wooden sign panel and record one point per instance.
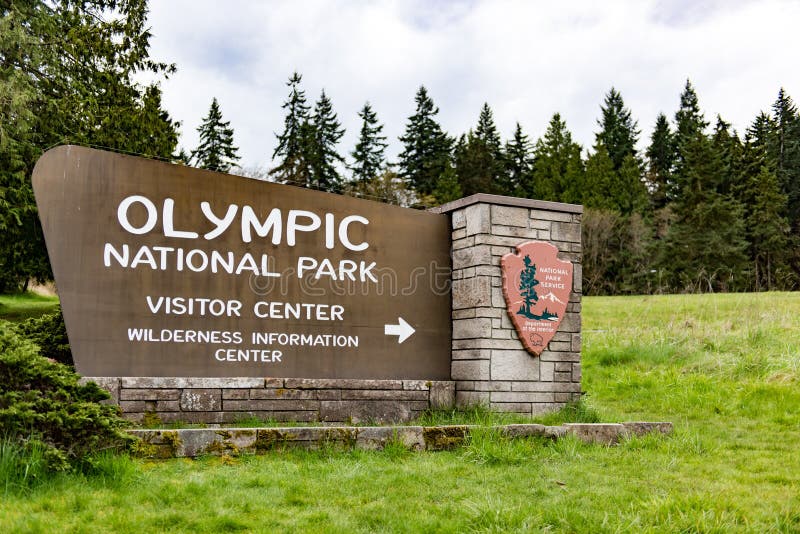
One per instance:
(536, 286)
(166, 270)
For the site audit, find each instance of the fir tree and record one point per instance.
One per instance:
(481, 166)
(786, 150)
(216, 151)
(619, 133)
(447, 187)
(294, 143)
(327, 131)
(368, 156)
(518, 161)
(727, 144)
(690, 126)
(597, 179)
(660, 161)
(426, 148)
(768, 233)
(557, 164)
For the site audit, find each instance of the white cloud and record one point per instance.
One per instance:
(526, 59)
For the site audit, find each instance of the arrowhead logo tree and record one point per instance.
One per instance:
(536, 286)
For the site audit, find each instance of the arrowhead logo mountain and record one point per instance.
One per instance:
(536, 286)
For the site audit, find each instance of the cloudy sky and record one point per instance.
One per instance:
(526, 59)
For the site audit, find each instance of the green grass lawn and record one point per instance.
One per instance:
(21, 306)
(724, 368)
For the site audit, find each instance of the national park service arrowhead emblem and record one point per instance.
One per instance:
(536, 285)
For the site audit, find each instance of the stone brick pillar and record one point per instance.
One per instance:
(489, 363)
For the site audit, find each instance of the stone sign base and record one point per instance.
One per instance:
(228, 400)
(191, 442)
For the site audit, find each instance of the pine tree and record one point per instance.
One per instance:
(216, 151)
(327, 131)
(368, 156)
(597, 180)
(557, 165)
(518, 161)
(619, 133)
(426, 148)
(294, 143)
(481, 165)
(727, 144)
(447, 188)
(690, 125)
(660, 161)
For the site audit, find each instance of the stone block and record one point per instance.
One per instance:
(603, 433)
(514, 365)
(472, 354)
(539, 224)
(512, 407)
(559, 346)
(166, 382)
(562, 377)
(383, 394)
(464, 242)
(478, 219)
(365, 411)
(539, 408)
(269, 405)
(458, 234)
(471, 398)
(417, 385)
(201, 400)
(341, 383)
(566, 231)
(472, 292)
(236, 394)
(150, 394)
(329, 394)
(510, 216)
(576, 372)
(547, 371)
(458, 219)
(491, 385)
(563, 366)
(515, 233)
(472, 256)
(521, 396)
(283, 394)
(571, 323)
(479, 327)
(576, 342)
(550, 356)
(469, 370)
(376, 437)
(442, 395)
(441, 438)
(273, 382)
(467, 313)
(545, 215)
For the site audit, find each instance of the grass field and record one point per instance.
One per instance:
(724, 368)
(21, 306)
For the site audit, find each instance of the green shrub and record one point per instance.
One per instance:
(42, 400)
(50, 334)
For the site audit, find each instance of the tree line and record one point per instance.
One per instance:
(702, 208)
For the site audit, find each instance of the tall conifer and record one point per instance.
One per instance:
(660, 161)
(327, 131)
(426, 148)
(294, 141)
(519, 161)
(368, 156)
(216, 151)
(618, 131)
(481, 165)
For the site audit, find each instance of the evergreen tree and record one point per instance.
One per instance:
(660, 161)
(597, 179)
(518, 162)
(216, 151)
(729, 147)
(368, 156)
(690, 125)
(557, 165)
(447, 188)
(768, 233)
(67, 75)
(327, 131)
(295, 141)
(426, 148)
(619, 133)
(704, 249)
(481, 165)
(786, 150)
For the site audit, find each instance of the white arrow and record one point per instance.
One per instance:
(402, 329)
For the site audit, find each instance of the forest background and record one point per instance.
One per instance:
(701, 208)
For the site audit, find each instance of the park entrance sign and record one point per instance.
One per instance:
(166, 270)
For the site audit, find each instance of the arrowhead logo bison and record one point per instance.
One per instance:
(536, 285)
